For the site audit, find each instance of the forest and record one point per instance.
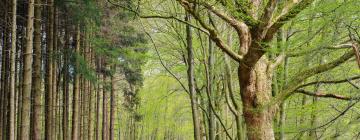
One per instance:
(179, 69)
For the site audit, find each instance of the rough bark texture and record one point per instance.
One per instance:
(255, 91)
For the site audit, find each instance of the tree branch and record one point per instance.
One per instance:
(277, 62)
(326, 95)
(286, 15)
(213, 35)
(266, 17)
(157, 16)
(330, 81)
(301, 76)
(240, 27)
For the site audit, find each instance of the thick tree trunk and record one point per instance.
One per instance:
(27, 71)
(36, 127)
(255, 85)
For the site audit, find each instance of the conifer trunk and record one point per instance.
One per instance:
(36, 127)
(49, 72)
(112, 103)
(76, 96)
(27, 74)
(12, 73)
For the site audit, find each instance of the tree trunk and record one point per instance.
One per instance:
(36, 127)
(105, 130)
(91, 99)
(4, 74)
(49, 72)
(210, 90)
(112, 103)
(54, 106)
(27, 70)
(255, 85)
(12, 73)
(190, 73)
(98, 102)
(66, 84)
(75, 117)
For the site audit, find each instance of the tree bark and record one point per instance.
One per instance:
(91, 99)
(98, 101)
(255, 88)
(105, 131)
(112, 103)
(49, 71)
(66, 84)
(190, 73)
(12, 73)
(27, 71)
(36, 127)
(76, 96)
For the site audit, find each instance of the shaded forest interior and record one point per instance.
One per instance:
(179, 69)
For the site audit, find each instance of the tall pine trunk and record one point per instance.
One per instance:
(112, 103)
(91, 98)
(36, 92)
(76, 96)
(105, 131)
(27, 74)
(12, 73)
(49, 71)
(65, 119)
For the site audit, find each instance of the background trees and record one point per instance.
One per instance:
(57, 51)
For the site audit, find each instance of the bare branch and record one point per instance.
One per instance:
(213, 34)
(240, 27)
(157, 16)
(165, 67)
(301, 76)
(326, 95)
(356, 51)
(330, 81)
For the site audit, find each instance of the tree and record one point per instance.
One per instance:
(256, 29)
(36, 90)
(12, 73)
(27, 71)
(76, 96)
